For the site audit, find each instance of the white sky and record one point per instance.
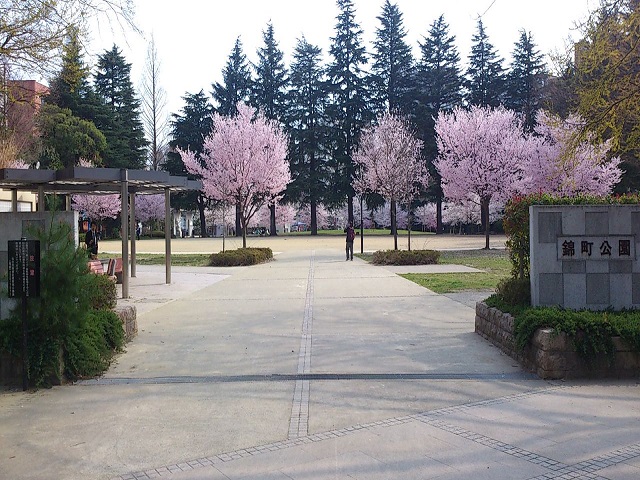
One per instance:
(194, 37)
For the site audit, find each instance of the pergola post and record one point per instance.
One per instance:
(14, 200)
(124, 218)
(132, 231)
(41, 198)
(167, 234)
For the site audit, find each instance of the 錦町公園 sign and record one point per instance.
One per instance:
(585, 256)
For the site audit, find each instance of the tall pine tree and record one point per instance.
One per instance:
(349, 108)
(67, 88)
(189, 128)
(485, 75)
(525, 80)
(438, 89)
(269, 89)
(122, 127)
(393, 64)
(306, 123)
(236, 82)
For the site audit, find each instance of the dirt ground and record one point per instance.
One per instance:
(306, 242)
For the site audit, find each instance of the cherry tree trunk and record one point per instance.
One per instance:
(272, 224)
(484, 208)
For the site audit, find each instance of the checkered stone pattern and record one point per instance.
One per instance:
(585, 256)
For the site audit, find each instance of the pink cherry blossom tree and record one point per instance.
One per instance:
(482, 154)
(97, 207)
(426, 215)
(150, 208)
(390, 164)
(243, 162)
(285, 214)
(566, 165)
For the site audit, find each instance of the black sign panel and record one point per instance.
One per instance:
(24, 268)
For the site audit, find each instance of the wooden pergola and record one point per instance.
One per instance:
(102, 181)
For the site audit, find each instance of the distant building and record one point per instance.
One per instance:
(22, 101)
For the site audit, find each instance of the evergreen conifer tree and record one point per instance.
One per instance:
(189, 128)
(393, 64)
(122, 126)
(306, 123)
(485, 75)
(349, 109)
(438, 89)
(269, 89)
(525, 80)
(236, 82)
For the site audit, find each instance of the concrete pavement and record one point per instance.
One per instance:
(310, 367)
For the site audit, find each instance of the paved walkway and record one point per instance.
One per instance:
(310, 367)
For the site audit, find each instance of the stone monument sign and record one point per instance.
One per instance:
(585, 256)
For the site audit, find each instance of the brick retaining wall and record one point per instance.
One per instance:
(553, 356)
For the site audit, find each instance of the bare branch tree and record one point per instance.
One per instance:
(154, 103)
(33, 31)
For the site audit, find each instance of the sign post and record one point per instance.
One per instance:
(24, 282)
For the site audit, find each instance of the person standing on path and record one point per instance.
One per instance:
(91, 240)
(351, 235)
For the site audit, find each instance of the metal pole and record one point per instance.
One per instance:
(167, 235)
(124, 221)
(14, 200)
(361, 228)
(132, 231)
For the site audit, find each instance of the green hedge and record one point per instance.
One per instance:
(241, 257)
(405, 257)
(591, 331)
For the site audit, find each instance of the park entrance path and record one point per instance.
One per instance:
(305, 367)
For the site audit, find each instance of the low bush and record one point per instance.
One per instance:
(90, 345)
(100, 291)
(515, 291)
(241, 257)
(405, 257)
(66, 335)
(591, 331)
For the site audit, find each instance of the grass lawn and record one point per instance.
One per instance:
(178, 259)
(494, 264)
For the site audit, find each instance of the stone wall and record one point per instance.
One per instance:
(552, 356)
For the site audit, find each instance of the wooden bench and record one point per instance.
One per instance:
(95, 266)
(114, 269)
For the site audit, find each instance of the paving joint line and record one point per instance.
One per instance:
(319, 437)
(299, 420)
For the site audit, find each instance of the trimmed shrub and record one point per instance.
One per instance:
(515, 291)
(100, 291)
(241, 257)
(405, 257)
